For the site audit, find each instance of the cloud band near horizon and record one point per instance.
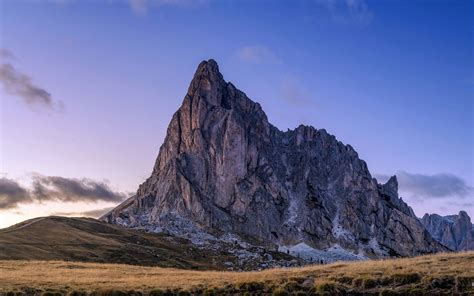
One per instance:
(54, 188)
(442, 185)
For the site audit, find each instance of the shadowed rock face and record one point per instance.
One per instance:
(454, 231)
(225, 168)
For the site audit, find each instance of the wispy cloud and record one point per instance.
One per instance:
(355, 12)
(92, 213)
(54, 188)
(47, 188)
(293, 93)
(257, 54)
(21, 85)
(141, 7)
(432, 186)
(11, 194)
(468, 204)
(6, 54)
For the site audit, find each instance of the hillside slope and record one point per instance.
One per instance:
(90, 240)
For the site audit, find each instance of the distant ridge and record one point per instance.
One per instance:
(453, 231)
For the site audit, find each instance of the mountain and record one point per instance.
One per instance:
(453, 231)
(90, 240)
(224, 170)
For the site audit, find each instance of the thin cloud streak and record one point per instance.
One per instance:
(6, 54)
(257, 54)
(53, 188)
(139, 7)
(294, 94)
(432, 186)
(46, 188)
(92, 213)
(142, 7)
(349, 12)
(11, 194)
(21, 85)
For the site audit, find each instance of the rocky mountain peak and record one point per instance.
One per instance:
(390, 188)
(392, 183)
(207, 81)
(224, 169)
(453, 231)
(464, 216)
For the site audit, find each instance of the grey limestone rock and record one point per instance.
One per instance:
(453, 231)
(224, 168)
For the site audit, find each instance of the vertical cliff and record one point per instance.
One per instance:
(454, 231)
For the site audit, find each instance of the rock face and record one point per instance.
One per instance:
(454, 231)
(224, 168)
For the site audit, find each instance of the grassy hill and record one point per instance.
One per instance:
(90, 240)
(441, 274)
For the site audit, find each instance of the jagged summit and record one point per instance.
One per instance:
(207, 79)
(224, 169)
(453, 231)
(209, 67)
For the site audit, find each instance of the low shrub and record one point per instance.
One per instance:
(357, 282)
(156, 292)
(347, 280)
(369, 283)
(444, 283)
(280, 292)
(51, 293)
(292, 286)
(108, 293)
(12, 293)
(388, 292)
(30, 291)
(464, 283)
(211, 292)
(417, 292)
(327, 288)
(78, 293)
(406, 278)
(159, 292)
(251, 286)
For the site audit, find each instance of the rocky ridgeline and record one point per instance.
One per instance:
(454, 231)
(223, 169)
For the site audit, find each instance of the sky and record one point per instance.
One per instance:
(88, 88)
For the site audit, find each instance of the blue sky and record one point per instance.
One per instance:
(395, 79)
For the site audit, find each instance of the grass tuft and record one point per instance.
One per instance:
(280, 292)
(406, 278)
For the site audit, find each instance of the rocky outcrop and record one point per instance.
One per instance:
(225, 169)
(453, 231)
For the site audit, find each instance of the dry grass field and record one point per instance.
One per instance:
(441, 274)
